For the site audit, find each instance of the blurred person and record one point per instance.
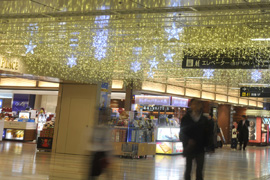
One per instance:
(100, 148)
(243, 132)
(195, 133)
(234, 138)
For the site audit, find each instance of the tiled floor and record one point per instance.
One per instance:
(21, 161)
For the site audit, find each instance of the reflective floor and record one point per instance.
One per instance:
(21, 161)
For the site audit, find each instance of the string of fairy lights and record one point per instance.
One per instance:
(136, 47)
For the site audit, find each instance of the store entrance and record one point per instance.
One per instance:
(27, 111)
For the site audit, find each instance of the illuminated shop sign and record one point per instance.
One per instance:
(156, 100)
(179, 102)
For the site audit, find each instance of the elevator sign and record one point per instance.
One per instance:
(254, 92)
(190, 62)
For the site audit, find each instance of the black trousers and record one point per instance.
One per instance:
(96, 164)
(245, 144)
(234, 143)
(199, 158)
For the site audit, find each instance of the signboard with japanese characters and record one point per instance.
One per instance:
(190, 62)
(254, 92)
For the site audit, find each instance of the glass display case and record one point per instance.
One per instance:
(167, 141)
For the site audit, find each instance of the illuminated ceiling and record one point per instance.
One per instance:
(135, 40)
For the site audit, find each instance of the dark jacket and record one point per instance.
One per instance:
(243, 130)
(200, 132)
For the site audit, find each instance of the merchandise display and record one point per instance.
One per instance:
(45, 138)
(14, 134)
(258, 131)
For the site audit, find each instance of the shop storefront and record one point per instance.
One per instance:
(153, 122)
(28, 109)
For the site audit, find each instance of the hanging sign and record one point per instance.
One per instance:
(190, 62)
(254, 92)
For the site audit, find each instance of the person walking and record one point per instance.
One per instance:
(243, 132)
(195, 132)
(234, 138)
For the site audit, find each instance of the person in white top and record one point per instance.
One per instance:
(234, 138)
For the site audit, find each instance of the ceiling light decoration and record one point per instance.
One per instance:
(72, 61)
(208, 73)
(173, 33)
(153, 63)
(101, 37)
(150, 74)
(106, 43)
(135, 66)
(30, 48)
(256, 75)
(168, 56)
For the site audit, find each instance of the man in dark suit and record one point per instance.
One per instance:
(243, 131)
(195, 133)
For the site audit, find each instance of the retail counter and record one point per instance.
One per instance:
(23, 131)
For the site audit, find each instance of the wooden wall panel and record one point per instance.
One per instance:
(224, 121)
(76, 114)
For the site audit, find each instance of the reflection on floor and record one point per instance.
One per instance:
(21, 161)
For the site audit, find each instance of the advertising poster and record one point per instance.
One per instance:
(178, 148)
(168, 134)
(44, 143)
(169, 147)
(20, 102)
(104, 95)
(252, 129)
(164, 148)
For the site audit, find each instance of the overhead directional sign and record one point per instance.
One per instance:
(254, 92)
(190, 62)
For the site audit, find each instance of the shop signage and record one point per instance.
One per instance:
(9, 64)
(104, 95)
(179, 102)
(157, 108)
(20, 102)
(152, 100)
(254, 92)
(192, 62)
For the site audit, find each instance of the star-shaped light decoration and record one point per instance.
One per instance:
(153, 63)
(256, 75)
(208, 73)
(30, 48)
(168, 56)
(72, 61)
(150, 74)
(173, 32)
(135, 66)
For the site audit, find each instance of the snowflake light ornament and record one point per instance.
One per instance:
(72, 61)
(173, 32)
(135, 66)
(168, 56)
(208, 73)
(256, 75)
(30, 48)
(150, 74)
(153, 63)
